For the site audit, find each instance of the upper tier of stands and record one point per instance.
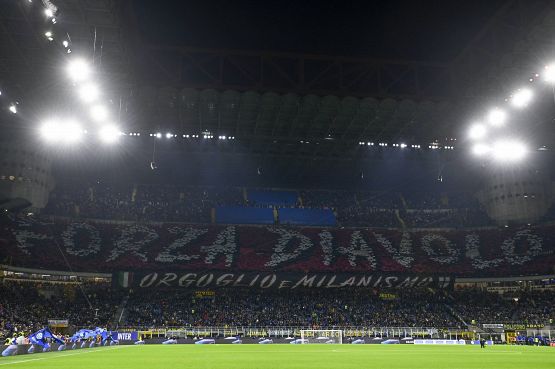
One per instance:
(231, 205)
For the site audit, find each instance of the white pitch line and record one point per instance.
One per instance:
(56, 356)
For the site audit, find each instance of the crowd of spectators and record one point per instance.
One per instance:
(483, 307)
(140, 202)
(535, 307)
(445, 218)
(475, 306)
(341, 308)
(27, 306)
(194, 204)
(313, 308)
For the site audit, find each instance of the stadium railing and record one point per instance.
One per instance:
(282, 332)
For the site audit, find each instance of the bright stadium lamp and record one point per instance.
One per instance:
(549, 73)
(109, 134)
(522, 98)
(78, 70)
(99, 113)
(89, 92)
(71, 132)
(477, 131)
(480, 149)
(497, 117)
(508, 150)
(50, 130)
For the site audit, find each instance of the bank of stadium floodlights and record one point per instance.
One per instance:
(491, 137)
(67, 130)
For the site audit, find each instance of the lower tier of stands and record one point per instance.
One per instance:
(27, 306)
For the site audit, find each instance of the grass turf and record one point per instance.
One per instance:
(289, 357)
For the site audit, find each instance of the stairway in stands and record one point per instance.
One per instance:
(120, 314)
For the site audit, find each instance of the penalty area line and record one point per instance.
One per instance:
(57, 356)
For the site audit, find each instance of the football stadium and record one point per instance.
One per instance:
(277, 184)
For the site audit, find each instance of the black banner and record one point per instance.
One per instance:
(286, 280)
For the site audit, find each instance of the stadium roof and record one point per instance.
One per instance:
(185, 75)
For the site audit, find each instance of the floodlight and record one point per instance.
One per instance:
(99, 113)
(169, 135)
(403, 145)
(13, 108)
(50, 130)
(158, 135)
(549, 73)
(522, 98)
(65, 43)
(477, 131)
(497, 117)
(71, 132)
(78, 70)
(89, 92)
(109, 134)
(480, 149)
(508, 150)
(49, 12)
(48, 34)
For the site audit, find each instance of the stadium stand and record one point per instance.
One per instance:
(109, 245)
(195, 204)
(244, 215)
(314, 308)
(247, 308)
(27, 306)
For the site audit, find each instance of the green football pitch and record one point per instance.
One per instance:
(289, 357)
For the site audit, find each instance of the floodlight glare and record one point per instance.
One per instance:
(549, 73)
(480, 149)
(48, 12)
(497, 117)
(71, 132)
(522, 98)
(477, 131)
(50, 130)
(78, 70)
(508, 150)
(109, 134)
(99, 113)
(89, 92)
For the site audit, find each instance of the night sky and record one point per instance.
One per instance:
(410, 30)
